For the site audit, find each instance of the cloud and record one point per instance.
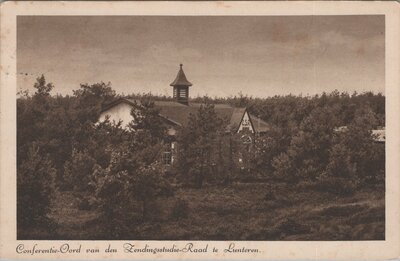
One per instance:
(257, 55)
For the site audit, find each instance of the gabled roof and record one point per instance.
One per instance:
(180, 79)
(178, 114)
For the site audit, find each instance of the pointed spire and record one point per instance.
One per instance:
(180, 79)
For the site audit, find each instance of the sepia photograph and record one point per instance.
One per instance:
(222, 128)
(233, 130)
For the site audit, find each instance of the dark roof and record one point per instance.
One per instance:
(180, 79)
(258, 124)
(178, 114)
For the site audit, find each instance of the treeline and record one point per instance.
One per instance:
(118, 172)
(322, 141)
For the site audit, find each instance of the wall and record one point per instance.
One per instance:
(121, 111)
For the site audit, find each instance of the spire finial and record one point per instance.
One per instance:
(181, 65)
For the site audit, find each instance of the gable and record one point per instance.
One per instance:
(245, 123)
(119, 112)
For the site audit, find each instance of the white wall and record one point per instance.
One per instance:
(121, 111)
(245, 122)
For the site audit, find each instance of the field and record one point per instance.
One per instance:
(240, 211)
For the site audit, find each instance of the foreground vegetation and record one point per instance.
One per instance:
(304, 181)
(240, 211)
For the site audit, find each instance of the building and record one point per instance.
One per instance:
(378, 135)
(176, 113)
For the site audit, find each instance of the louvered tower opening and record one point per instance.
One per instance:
(181, 87)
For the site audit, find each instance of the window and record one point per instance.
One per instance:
(167, 158)
(182, 93)
(246, 122)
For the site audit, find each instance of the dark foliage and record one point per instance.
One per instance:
(201, 157)
(116, 173)
(35, 187)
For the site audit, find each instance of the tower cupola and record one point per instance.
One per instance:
(181, 87)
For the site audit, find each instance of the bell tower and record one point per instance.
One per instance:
(181, 87)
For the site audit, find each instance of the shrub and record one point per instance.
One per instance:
(340, 162)
(126, 193)
(283, 167)
(336, 185)
(78, 169)
(35, 178)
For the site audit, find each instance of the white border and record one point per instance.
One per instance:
(338, 250)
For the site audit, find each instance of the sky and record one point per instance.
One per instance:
(259, 56)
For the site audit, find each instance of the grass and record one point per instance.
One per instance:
(241, 211)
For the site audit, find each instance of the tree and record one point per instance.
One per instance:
(126, 188)
(199, 142)
(269, 146)
(147, 121)
(91, 98)
(36, 122)
(308, 153)
(42, 89)
(133, 177)
(367, 156)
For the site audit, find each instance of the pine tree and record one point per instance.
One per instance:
(199, 142)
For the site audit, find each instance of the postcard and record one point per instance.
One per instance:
(200, 130)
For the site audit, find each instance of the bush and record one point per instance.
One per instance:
(78, 169)
(340, 162)
(336, 185)
(126, 192)
(35, 180)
